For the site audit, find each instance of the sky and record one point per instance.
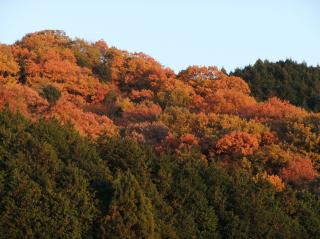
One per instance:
(179, 33)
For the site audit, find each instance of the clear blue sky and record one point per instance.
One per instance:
(179, 33)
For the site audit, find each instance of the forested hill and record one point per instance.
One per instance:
(288, 80)
(98, 142)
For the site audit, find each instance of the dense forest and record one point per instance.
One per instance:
(288, 80)
(98, 142)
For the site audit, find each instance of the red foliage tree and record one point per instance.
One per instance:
(298, 171)
(273, 109)
(8, 65)
(276, 181)
(140, 95)
(142, 72)
(237, 143)
(187, 142)
(102, 46)
(142, 112)
(215, 91)
(115, 60)
(44, 39)
(196, 74)
(24, 99)
(229, 102)
(85, 122)
(269, 138)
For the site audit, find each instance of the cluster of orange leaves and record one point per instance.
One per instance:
(274, 109)
(8, 65)
(140, 95)
(238, 143)
(298, 171)
(46, 60)
(277, 182)
(142, 112)
(23, 99)
(85, 122)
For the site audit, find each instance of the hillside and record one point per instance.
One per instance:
(98, 142)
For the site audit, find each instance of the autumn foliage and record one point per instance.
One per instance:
(98, 142)
(277, 182)
(23, 99)
(274, 109)
(8, 65)
(237, 142)
(102, 90)
(299, 171)
(85, 122)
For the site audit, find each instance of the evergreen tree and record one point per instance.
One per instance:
(130, 214)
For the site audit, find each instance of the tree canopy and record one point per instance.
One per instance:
(98, 142)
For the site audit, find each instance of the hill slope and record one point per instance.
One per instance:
(110, 144)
